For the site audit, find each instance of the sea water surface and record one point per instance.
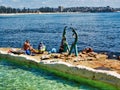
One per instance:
(101, 31)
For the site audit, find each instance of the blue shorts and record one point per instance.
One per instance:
(28, 52)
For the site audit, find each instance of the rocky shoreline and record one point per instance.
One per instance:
(93, 66)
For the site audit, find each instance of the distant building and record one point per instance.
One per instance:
(60, 8)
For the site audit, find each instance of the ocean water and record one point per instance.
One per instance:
(97, 30)
(13, 77)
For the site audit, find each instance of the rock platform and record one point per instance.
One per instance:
(93, 67)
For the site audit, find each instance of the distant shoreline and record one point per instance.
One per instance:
(39, 13)
(9, 14)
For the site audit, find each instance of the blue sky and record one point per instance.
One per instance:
(56, 3)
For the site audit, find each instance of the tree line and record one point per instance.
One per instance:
(4, 9)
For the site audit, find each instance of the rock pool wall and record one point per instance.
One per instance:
(97, 78)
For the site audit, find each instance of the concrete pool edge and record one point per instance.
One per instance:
(76, 73)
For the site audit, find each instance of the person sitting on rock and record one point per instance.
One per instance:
(41, 48)
(28, 48)
(89, 51)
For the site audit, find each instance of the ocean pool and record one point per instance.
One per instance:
(13, 77)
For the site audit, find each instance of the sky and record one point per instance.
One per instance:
(56, 3)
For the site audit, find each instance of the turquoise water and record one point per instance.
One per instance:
(13, 77)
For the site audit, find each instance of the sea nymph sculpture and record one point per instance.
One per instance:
(64, 47)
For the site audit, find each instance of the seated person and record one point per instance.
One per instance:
(64, 46)
(41, 48)
(87, 50)
(28, 48)
(16, 51)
